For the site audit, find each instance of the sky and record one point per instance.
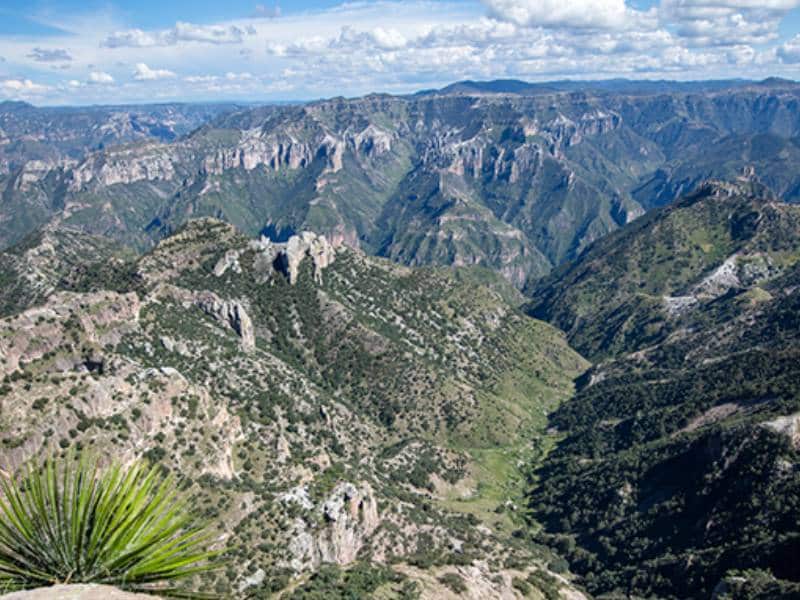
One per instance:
(55, 52)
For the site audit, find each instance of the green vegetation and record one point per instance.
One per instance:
(358, 582)
(418, 411)
(755, 584)
(670, 471)
(406, 396)
(70, 521)
(454, 581)
(611, 300)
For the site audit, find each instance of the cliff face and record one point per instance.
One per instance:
(518, 183)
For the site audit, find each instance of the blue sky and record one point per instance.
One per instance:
(70, 52)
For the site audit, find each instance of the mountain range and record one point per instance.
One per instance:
(498, 340)
(510, 176)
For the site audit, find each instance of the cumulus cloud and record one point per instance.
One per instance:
(789, 52)
(100, 77)
(349, 39)
(144, 73)
(726, 22)
(591, 14)
(182, 32)
(49, 55)
(384, 39)
(399, 46)
(201, 78)
(22, 86)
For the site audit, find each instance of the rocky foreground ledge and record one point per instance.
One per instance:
(76, 592)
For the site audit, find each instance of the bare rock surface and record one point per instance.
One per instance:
(77, 592)
(350, 516)
(231, 313)
(788, 426)
(308, 244)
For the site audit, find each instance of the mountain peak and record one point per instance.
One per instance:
(12, 105)
(746, 185)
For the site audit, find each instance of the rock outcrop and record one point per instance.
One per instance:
(350, 515)
(146, 163)
(287, 257)
(229, 261)
(308, 244)
(230, 313)
(788, 426)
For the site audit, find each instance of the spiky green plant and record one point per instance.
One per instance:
(70, 521)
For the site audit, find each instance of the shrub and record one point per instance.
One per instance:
(71, 522)
(455, 582)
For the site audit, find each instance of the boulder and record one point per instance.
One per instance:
(788, 426)
(229, 261)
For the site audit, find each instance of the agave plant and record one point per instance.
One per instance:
(73, 522)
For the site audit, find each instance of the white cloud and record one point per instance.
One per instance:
(212, 34)
(726, 22)
(244, 76)
(100, 77)
(384, 39)
(789, 52)
(50, 55)
(399, 46)
(145, 73)
(266, 12)
(22, 86)
(592, 14)
(201, 78)
(133, 38)
(182, 32)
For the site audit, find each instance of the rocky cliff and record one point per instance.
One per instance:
(515, 182)
(316, 404)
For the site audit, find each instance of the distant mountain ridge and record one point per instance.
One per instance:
(30, 133)
(626, 86)
(518, 182)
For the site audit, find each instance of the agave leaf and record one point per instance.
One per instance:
(73, 522)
